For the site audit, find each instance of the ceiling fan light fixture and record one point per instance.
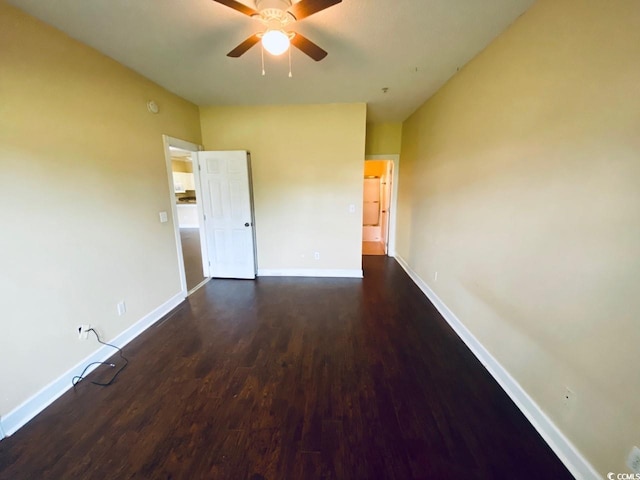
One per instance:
(276, 42)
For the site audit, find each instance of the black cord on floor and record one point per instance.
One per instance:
(78, 378)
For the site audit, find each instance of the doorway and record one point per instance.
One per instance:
(185, 195)
(377, 193)
(187, 200)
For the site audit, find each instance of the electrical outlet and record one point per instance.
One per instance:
(83, 332)
(122, 308)
(435, 277)
(316, 255)
(633, 462)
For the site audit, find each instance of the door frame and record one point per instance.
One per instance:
(395, 160)
(190, 147)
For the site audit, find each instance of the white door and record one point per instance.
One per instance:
(228, 212)
(385, 204)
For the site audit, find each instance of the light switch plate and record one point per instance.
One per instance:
(164, 218)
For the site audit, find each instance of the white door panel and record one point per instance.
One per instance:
(226, 192)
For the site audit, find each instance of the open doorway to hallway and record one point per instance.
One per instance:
(186, 198)
(186, 207)
(378, 176)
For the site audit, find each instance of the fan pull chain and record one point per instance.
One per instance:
(262, 50)
(290, 74)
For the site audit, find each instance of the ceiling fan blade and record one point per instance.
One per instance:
(305, 8)
(307, 46)
(240, 7)
(244, 46)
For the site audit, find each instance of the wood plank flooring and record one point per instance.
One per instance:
(373, 248)
(285, 379)
(192, 255)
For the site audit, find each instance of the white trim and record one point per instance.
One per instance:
(190, 147)
(204, 247)
(575, 462)
(198, 286)
(393, 210)
(2, 435)
(31, 407)
(308, 272)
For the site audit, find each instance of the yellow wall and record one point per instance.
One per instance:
(383, 138)
(520, 186)
(182, 166)
(307, 170)
(83, 178)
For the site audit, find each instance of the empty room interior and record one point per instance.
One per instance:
(402, 241)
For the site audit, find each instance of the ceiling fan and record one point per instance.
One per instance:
(276, 15)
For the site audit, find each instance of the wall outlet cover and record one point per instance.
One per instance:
(83, 331)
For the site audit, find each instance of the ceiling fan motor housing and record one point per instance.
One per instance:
(275, 11)
(283, 5)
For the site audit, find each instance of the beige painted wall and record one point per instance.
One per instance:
(83, 178)
(383, 138)
(520, 186)
(182, 166)
(307, 170)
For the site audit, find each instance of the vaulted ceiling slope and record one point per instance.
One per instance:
(411, 47)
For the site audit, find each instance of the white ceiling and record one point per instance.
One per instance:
(410, 46)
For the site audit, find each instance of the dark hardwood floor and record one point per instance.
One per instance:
(284, 379)
(192, 256)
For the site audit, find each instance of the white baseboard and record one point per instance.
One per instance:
(31, 407)
(559, 443)
(309, 272)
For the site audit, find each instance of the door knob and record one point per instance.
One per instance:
(246, 224)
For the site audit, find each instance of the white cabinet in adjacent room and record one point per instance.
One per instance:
(183, 181)
(188, 216)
